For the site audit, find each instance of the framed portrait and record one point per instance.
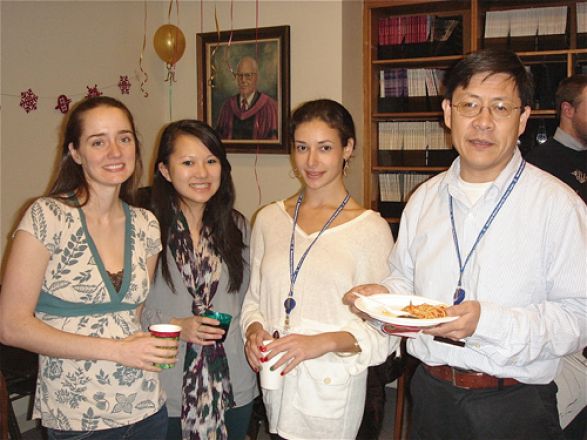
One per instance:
(243, 87)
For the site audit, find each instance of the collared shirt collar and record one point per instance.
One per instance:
(568, 141)
(249, 99)
(498, 186)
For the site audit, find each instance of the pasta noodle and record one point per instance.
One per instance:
(426, 311)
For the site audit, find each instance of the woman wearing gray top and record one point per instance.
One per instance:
(204, 265)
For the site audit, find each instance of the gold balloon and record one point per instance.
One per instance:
(169, 43)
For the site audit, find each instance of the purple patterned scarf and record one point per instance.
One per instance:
(207, 392)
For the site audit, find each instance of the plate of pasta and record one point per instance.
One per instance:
(404, 310)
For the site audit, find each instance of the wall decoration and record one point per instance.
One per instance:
(63, 104)
(124, 85)
(28, 100)
(251, 64)
(93, 91)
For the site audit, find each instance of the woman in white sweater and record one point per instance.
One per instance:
(306, 252)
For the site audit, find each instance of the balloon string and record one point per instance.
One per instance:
(177, 30)
(145, 77)
(171, 101)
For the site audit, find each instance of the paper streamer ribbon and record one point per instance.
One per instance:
(176, 11)
(229, 44)
(171, 67)
(145, 76)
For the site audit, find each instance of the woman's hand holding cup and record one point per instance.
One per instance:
(198, 330)
(254, 336)
(142, 350)
(271, 377)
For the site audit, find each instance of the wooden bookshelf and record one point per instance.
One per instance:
(560, 54)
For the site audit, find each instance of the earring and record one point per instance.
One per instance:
(294, 173)
(345, 168)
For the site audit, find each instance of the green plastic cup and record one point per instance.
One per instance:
(223, 318)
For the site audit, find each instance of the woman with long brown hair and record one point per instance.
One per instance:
(76, 278)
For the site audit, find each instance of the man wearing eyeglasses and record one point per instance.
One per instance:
(250, 114)
(505, 244)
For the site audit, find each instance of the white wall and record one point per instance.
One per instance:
(60, 47)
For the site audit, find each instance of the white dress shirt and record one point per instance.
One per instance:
(529, 271)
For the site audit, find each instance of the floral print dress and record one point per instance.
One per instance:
(78, 296)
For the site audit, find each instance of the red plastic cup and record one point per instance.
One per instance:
(165, 331)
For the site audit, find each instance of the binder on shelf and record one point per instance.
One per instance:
(416, 158)
(535, 43)
(582, 24)
(409, 104)
(398, 187)
(414, 143)
(582, 17)
(529, 29)
(410, 90)
(419, 36)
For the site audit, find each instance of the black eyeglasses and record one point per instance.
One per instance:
(498, 109)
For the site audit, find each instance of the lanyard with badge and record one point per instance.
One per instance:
(459, 294)
(290, 302)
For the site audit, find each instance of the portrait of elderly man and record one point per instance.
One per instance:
(250, 114)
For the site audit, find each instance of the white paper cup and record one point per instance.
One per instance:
(271, 380)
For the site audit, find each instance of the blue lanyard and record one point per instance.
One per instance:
(459, 294)
(290, 302)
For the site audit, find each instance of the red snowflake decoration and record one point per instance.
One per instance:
(93, 91)
(63, 104)
(28, 100)
(124, 85)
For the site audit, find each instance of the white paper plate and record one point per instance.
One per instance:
(398, 302)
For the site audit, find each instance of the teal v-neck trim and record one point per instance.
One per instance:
(115, 297)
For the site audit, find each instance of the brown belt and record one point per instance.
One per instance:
(470, 380)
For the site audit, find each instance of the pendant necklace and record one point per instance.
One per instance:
(290, 303)
(459, 294)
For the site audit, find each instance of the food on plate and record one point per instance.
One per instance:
(425, 311)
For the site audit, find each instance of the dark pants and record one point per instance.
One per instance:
(237, 423)
(151, 428)
(577, 429)
(442, 411)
